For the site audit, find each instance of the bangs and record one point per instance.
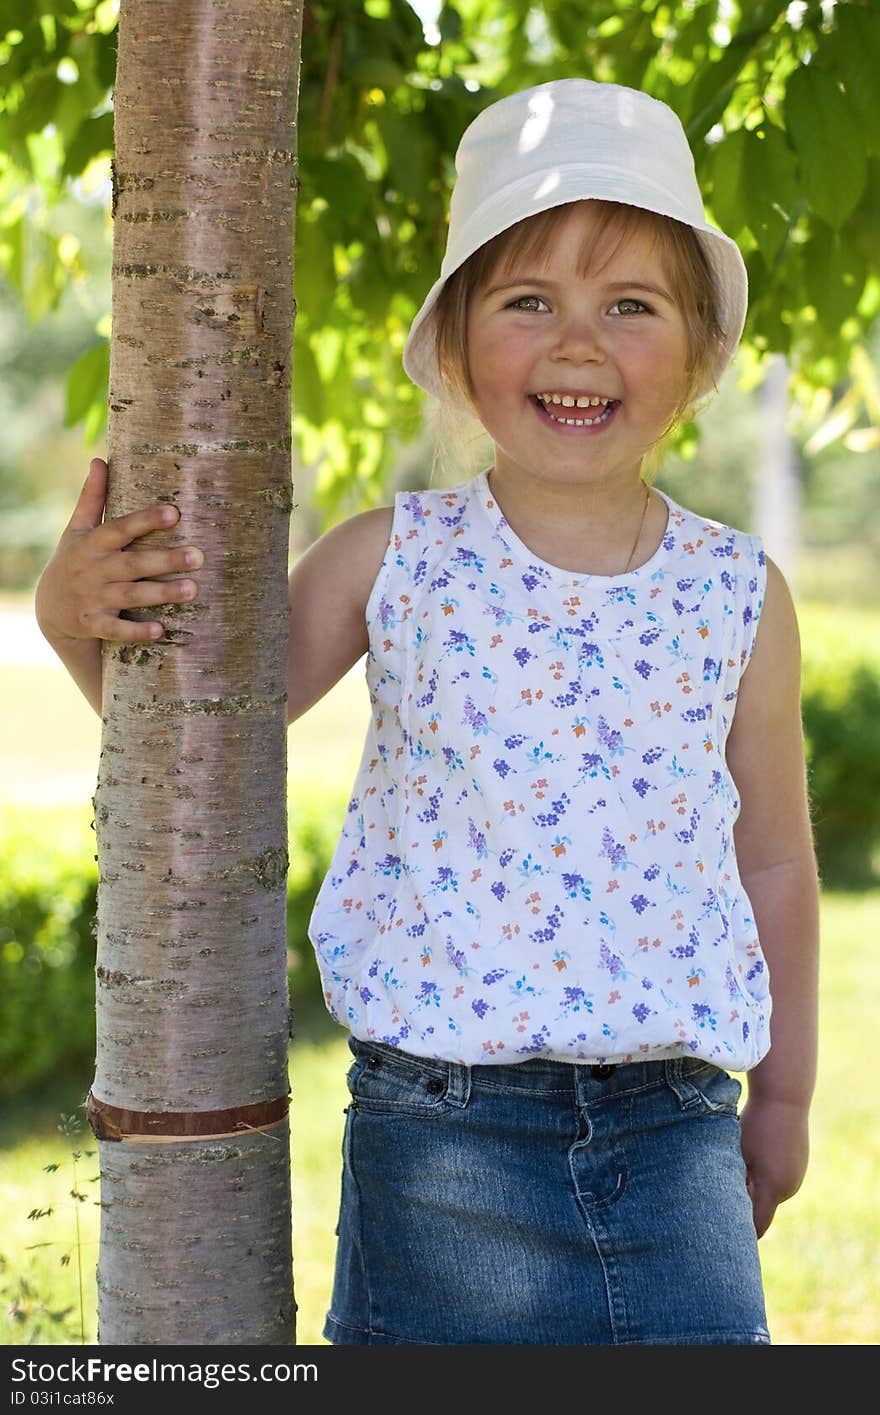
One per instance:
(529, 243)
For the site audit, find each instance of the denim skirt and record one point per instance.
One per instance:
(543, 1203)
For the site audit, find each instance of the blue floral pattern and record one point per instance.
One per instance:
(537, 857)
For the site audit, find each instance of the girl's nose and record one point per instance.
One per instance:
(579, 338)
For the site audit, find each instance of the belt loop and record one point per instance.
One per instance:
(687, 1094)
(459, 1091)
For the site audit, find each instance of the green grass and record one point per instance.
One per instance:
(820, 1255)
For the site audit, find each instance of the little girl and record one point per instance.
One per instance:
(577, 858)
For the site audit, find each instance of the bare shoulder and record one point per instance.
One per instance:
(365, 530)
(360, 535)
(328, 590)
(347, 558)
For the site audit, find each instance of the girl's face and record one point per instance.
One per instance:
(615, 335)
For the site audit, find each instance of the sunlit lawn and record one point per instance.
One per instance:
(820, 1257)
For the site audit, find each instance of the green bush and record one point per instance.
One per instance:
(841, 715)
(47, 947)
(311, 845)
(47, 961)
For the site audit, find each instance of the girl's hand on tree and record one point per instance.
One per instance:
(92, 574)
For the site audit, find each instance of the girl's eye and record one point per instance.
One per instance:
(515, 304)
(629, 303)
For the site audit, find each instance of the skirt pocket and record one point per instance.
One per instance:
(386, 1081)
(703, 1088)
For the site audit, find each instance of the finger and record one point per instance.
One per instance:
(138, 564)
(89, 509)
(122, 530)
(125, 631)
(138, 594)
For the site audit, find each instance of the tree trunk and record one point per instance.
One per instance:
(190, 1095)
(778, 487)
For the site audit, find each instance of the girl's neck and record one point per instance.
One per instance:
(589, 530)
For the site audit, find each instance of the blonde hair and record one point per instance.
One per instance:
(527, 243)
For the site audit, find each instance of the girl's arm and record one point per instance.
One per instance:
(328, 588)
(93, 574)
(777, 866)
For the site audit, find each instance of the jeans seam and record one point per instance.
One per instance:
(347, 1326)
(632, 1091)
(366, 1105)
(360, 1223)
(755, 1337)
(520, 1090)
(387, 1335)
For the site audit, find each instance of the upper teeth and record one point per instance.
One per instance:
(568, 401)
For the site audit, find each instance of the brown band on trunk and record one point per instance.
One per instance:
(110, 1122)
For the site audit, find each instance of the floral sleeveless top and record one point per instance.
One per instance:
(537, 858)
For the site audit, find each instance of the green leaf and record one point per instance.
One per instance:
(16, 14)
(93, 136)
(828, 139)
(865, 223)
(105, 58)
(43, 290)
(834, 275)
(375, 71)
(342, 182)
(14, 146)
(26, 57)
(408, 33)
(728, 161)
(369, 291)
(42, 91)
(776, 298)
(308, 388)
(95, 423)
(449, 23)
(315, 274)
(859, 41)
(770, 188)
(407, 152)
(87, 382)
(12, 252)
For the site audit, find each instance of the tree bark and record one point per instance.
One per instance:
(190, 1094)
(778, 487)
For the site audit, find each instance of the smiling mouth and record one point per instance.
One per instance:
(599, 418)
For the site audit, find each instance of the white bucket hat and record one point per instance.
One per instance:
(560, 142)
